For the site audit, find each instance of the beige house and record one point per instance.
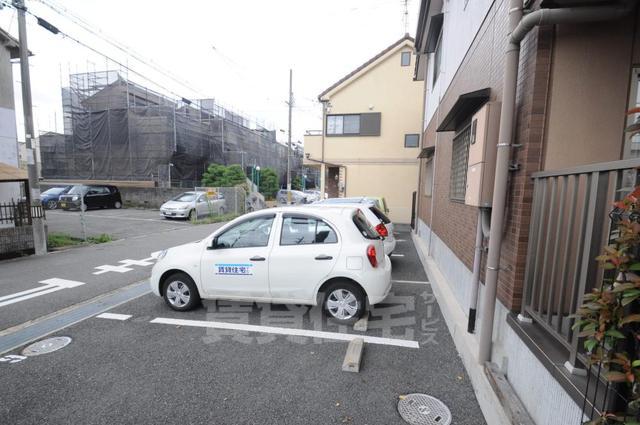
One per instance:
(371, 137)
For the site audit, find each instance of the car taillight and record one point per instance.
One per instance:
(382, 230)
(371, 255)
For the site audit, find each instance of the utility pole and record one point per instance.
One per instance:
(39, 238)
(289, 134)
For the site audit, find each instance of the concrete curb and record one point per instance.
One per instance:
(466, 344)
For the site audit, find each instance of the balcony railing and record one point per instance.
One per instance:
(570, 224)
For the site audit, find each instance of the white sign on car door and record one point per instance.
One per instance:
(304, 253)
(236, 264)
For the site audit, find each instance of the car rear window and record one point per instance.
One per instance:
(364, 227)
(383, 218)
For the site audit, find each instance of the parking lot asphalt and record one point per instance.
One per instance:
(119, 224)
(145, 372)
(99, 268)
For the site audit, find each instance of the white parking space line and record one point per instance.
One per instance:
(397, 255)
(420, 282)
(142, 263)
(114, 316)
(401, 240)
(120, 217)
(287, 331)
(50, 285)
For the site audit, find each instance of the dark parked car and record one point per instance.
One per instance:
(95, 196)
(49, 198)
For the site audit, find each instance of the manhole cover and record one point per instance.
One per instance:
(422, 409)
(45, 346)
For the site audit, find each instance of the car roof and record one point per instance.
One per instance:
(307, 209)
(353, 200)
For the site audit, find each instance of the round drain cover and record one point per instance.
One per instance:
(422, 409)
(45, 346)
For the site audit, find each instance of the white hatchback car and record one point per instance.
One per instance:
(291, 255)
(374, 215)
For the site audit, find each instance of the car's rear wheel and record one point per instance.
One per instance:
(180, 292)
(117, 205)
(52, 205)
(344, 302)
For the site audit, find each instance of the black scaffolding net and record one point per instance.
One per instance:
(118, 130)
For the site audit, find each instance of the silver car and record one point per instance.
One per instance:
(192, 205)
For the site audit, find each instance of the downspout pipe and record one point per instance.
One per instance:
(475, 280)
(519, 27)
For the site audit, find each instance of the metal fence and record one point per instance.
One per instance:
(569, 227)
(19, 213)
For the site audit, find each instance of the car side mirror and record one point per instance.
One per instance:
(214, 243)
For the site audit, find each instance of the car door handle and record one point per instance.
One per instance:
(256, 258)
(324, 257)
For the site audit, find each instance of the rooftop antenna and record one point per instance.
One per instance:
(405, 16)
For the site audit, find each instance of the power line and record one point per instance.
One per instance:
(47, 25)
(66, 13)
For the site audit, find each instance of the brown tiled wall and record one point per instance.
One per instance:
(483, 66)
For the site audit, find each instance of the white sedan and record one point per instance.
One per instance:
(192, 205)
(290, 255)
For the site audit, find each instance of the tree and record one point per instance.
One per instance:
(268, 182)
(296, 183)
(234, 175)
(218, 175)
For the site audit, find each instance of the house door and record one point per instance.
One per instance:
(333, 177)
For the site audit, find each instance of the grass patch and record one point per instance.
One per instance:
(59, 240)
(102, 238)
(215, 218)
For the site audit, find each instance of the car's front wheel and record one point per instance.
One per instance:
(344, 302)
(117, 205)
(52, 205)
(180, 292)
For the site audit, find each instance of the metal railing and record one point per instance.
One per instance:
(19, 213)
(569, 227)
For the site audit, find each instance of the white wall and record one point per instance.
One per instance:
(460, 26)
(8, 151)
(543, 397)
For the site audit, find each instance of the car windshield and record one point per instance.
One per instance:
(185, 197)
(53, 191)
(77, 190)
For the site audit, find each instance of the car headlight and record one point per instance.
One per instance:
(75, 198)
(162, 254)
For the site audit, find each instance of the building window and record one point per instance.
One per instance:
(459, 164)
(437, 57)
(411, 140)
(343, 124)
(405, 58)
(351, 124)
(428, 177)
(365, 124)
(632, 143)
